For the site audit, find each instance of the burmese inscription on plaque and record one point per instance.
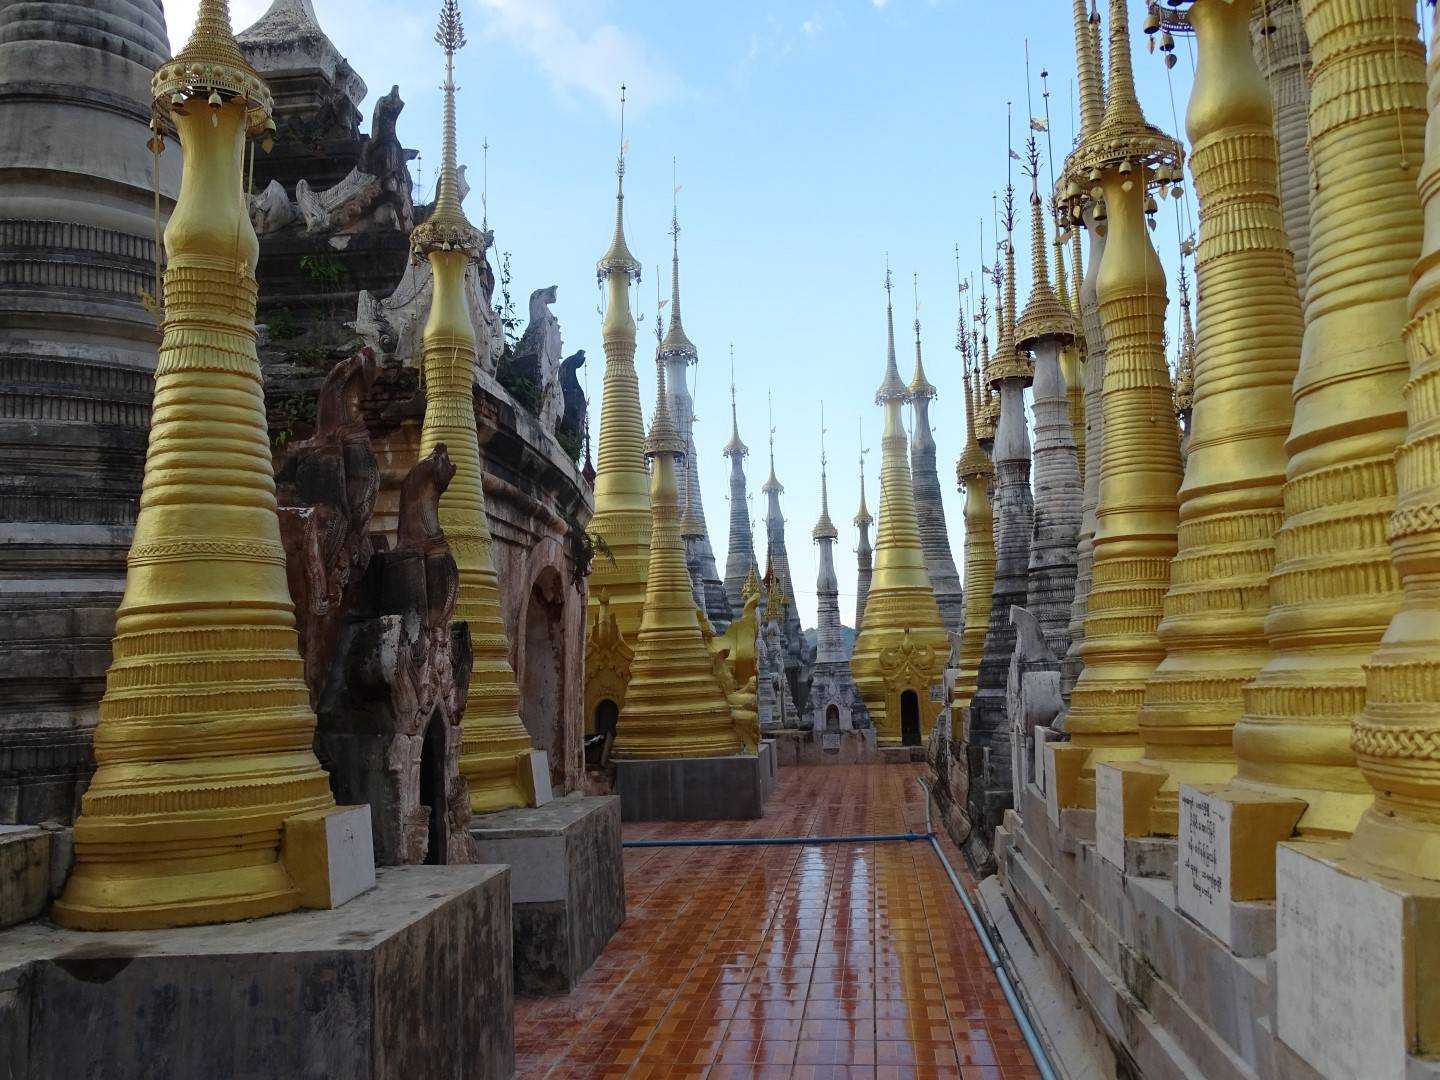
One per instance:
(1340, 957)
(1110, 814)
(1202, 882)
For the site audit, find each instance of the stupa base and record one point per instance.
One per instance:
(411, 979)
(730, 788)
(567, 884)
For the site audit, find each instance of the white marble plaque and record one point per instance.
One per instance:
(1052, 796)
(1340, 955)
(1202, 880)
(349, 853)
(1110, 815)
(540, 776)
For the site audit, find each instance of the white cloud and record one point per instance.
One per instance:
(579, 53)
(879, 3)
(812, 26)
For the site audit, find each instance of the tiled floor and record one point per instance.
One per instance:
(804, 961)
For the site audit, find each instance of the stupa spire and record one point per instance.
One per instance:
(450, 36)
(1088, 73)
(736, 446)
(824, 528)
(622, 482)
(675, 339)
(892, 388)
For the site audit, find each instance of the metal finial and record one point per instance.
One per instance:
(485, 184)
(450, 35)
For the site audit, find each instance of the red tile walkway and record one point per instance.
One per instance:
(852, 960)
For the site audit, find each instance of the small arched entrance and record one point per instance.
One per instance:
(910, 718)
(832, 717)
(432, 789)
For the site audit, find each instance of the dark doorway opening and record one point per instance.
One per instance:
(910, 718)
(607, 715)
(832, 717)
(432, 788)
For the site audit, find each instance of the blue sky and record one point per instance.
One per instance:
(810, 139)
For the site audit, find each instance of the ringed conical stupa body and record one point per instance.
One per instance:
(901, 652)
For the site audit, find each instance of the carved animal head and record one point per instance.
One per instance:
(343, 393)
(420, 493)
(540, 301)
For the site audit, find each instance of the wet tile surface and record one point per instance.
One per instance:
(842, 960)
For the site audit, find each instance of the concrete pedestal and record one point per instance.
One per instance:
(567, 884)
(810, 747)
(693, 789)
(412, 979)
(769, 766)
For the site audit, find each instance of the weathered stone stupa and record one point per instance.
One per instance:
(929, 508)
(78, 233)
(835, 703)
(777, 561)
(1044, 329)
(678, 354)
(864, 553)
(740, 551)
(988, 745)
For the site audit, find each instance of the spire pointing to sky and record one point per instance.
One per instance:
(740, 553)
(736, 446)
(1092, 96)
(920, 386)
(450, 36)
(619, 256)
(892, 388)
(771, 484)
(675, 340)
(824, 528)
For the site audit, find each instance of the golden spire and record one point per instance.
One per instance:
(1092, 97)
(447, 228)
(824, 528)
(622, 483)
(920, 387)
(618, 258)
(902, 647)
(975, 472)
(494, 747)
(862, 516)
(735, 447)
(1045, 317)
(771, 485)
(1009, 363)
(212, 66)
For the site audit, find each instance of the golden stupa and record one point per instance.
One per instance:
(1238, 399)
(975, 474)
(495, 748)
(1335, 588)
(204, 739)
(621, 523)
(902, 649)
(675, 706)
(1116, 165)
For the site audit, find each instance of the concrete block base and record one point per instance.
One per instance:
(411, 979)
(692, 789)
(901, 755)
(567, 884)
(828, 747)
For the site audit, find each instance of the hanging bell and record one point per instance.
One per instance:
(156, 143)
(1167, 42)
(1100, 214)
(267, 140)
(215, 99)
(1152, 21)
(1150, 205)
(1094, 175)
(1177, 192)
